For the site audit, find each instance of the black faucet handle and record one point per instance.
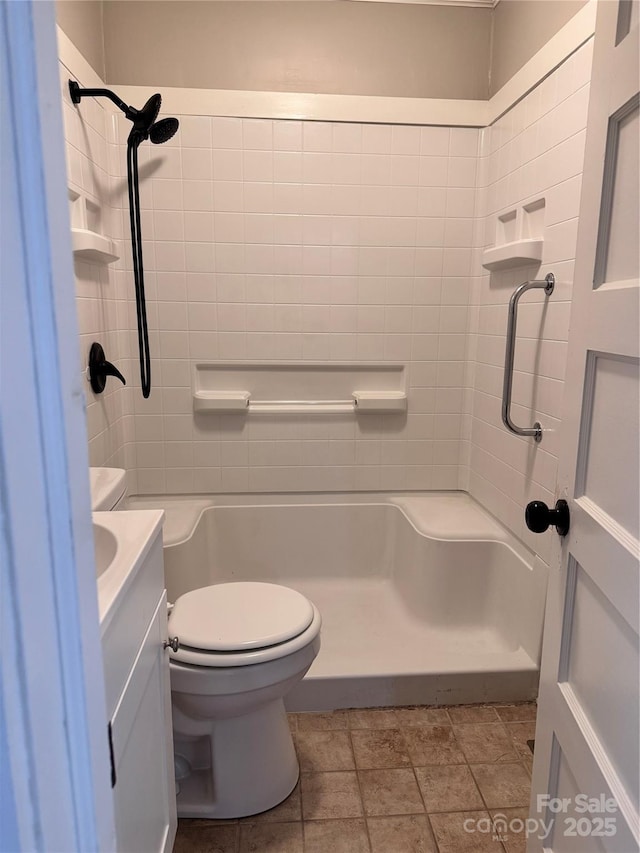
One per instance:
(100, 368)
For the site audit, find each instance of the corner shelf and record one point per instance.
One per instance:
(92, 246)
(86, 240)
(519, 238)
(513, 254)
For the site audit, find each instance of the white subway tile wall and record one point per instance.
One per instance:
(316, 241)
(535, 151)
(305, 241)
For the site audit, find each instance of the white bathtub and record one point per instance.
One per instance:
(425, 598)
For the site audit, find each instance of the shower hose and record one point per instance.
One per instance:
(138, 268)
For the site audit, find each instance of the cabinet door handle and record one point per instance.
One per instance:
(172, 643)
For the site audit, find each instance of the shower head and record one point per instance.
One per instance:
(144, 118)
(163, 130)
(144, 121)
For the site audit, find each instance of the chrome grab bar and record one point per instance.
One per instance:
(536, 430)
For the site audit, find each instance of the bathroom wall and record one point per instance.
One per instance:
(520, 29)
(82, 22)
(393, 49)
(409, 50)
(102, 294)
(535, 151)
(306, 241)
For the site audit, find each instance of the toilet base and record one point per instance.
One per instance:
(234, 766)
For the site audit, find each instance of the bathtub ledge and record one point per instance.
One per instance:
(452, 516)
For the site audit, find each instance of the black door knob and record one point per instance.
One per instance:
(539, 517)
(100, 368)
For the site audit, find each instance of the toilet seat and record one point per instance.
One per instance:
(236, 624)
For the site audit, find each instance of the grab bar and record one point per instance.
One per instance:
(536, 430)
(361, 402)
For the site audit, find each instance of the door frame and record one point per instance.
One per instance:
(53, 727)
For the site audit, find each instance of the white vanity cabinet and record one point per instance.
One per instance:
(139, 707)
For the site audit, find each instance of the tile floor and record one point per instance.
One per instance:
(391, 780)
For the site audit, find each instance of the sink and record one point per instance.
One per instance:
(105, 546)
(122, 545)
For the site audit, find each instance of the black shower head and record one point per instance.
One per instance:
(163, 130)
(144, 118)
(144, 121)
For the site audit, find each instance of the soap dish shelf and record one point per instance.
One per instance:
(519, 237)
(87, 243)
(514, 254)
(91, 246)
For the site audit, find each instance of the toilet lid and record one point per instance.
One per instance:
(230, 617)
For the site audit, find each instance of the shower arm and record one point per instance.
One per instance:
(77, 94)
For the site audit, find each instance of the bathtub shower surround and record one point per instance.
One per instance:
(308, 242)
(532, 156)
(304, 241)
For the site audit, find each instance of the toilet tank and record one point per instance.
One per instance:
(108, 487)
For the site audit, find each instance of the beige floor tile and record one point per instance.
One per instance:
(289, 809)
(517, 713)
(520, 733)
(465, 832)
(408, 717)
(448, 788)
(326, 750)
(336, 836)
(502, 785)
(483, 743)
(379, 748)
(293, 722)
(323, 722)
(473, 714)
(405, 834)
(330, 795)
(433, 745)
(271, 838)
(510, 826)
(390, 792)
(373, 718)
(206, 839)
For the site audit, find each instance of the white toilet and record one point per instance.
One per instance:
(242, 648)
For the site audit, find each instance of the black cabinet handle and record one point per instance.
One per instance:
(539, 517)
(100, 368)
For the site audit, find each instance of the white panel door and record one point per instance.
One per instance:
(587, 738)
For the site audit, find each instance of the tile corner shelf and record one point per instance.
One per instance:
(86, 224)
(91, 246)
(513, 254)
(518, 237)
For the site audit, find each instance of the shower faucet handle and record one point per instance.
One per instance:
(539, 517)
(100, 368)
